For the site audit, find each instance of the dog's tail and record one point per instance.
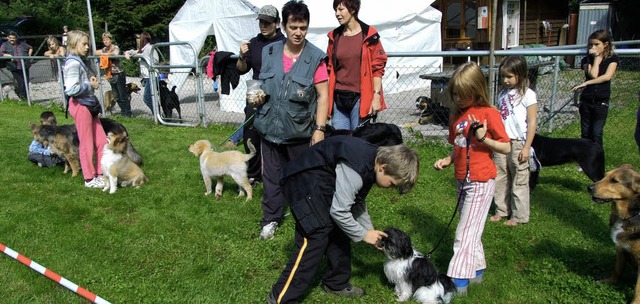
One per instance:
(252, 150)
(132, 154)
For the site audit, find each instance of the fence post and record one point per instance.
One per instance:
(554, 89)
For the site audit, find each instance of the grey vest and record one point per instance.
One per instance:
(289, 114)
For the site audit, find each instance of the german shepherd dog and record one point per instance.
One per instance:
(169, 100)
(63, 141)
(110, 98)
(621, 188)
(557, 151)
(431, 112)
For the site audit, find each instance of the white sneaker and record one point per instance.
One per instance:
(94, 183)
(579, 169)
(269, 231)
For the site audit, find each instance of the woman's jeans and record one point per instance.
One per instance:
(346, 121)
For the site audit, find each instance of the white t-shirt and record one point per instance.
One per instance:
(519, 105)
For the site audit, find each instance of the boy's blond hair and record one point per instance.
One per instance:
(402, 163)
(107, 35)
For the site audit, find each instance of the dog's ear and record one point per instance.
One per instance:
(628, 166)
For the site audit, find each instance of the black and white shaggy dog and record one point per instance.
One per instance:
(413, 274)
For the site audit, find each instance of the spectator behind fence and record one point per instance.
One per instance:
(599, 67)
(15, 47)
(115, 74)
(356, 62)
(286, 136)
(145, 51)
(38, 153)
(79, 84)
(476, 132)
(251, 59)
(55, 50)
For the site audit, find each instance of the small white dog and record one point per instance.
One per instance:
(217, 165)
(116, 166)
(412, 273)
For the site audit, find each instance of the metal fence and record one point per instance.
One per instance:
(552, 74)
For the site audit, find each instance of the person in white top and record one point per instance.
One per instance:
(145, 51)
(518, 106)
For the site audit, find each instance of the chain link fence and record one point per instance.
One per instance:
(552, 74)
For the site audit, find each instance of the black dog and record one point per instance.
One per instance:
(432, 112)
(379, 134)
(557, 151)
(169, 100)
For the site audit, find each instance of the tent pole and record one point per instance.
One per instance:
(91, 34)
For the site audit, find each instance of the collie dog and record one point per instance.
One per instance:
(217, 165)
(413, 274)
(117, 167)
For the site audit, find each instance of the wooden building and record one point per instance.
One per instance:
(466, 24)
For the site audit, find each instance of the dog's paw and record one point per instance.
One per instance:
(105, 189)
(207, 193)
(112, 191)
(218, 197)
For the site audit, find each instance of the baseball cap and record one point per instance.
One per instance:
(268, 13)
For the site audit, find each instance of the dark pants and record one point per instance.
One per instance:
(274, 156)
(21, 87)
(118, 83)
(636, 135)
(45, 160)
(254, 169)
(313, 186)
(593, 116)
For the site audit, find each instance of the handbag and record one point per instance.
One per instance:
(91, 102)
(345, 100)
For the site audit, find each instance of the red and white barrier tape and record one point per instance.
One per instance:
(53, 276)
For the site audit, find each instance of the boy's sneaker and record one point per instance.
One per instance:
(350, 291)
(269, 231)
(94, 183)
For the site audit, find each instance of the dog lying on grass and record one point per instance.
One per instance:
(117, 167)
(215, 165)
(557, 151)
(431, 112)
(621, 188)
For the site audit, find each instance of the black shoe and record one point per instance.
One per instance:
(349, 291)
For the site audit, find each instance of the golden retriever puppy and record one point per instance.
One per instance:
(117, 167)
(217, 165)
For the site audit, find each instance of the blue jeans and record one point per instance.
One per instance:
(346, 121)
(146, 96)
(237, 136)
(593, 116)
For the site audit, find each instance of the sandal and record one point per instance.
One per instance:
(495, 218)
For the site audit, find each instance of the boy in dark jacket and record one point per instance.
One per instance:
(326, 189)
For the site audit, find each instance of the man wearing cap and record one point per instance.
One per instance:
(251, 59)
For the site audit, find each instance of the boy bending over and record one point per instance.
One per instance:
(326, 189)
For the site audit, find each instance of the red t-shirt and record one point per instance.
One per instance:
(481, 165)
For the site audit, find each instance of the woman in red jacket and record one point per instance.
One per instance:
(356, 66)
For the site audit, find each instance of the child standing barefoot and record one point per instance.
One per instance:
(476, 132)
(518, 107)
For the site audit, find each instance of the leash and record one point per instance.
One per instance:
(238, 129)
(371, 118)
(472, 130)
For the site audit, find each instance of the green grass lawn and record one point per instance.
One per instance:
(169, 243)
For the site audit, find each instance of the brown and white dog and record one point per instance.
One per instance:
(621, 188)
(117, 167)
(430, 112)
(218, 164)
(110, 98)
(63, 142)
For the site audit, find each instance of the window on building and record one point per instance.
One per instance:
(460, 19)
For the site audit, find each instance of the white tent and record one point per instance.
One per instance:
(404, 26)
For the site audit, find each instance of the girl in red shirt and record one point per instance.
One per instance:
(476, 173)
